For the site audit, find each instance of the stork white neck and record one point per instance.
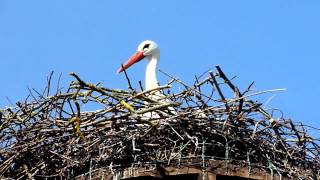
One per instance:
(151, 71)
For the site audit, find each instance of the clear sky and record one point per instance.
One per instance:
(272, 42)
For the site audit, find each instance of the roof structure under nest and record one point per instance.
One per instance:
(214, 126)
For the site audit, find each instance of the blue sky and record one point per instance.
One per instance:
(274, 43)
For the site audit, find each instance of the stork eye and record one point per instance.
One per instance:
(146, 46)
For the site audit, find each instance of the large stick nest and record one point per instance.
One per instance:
(57, 134)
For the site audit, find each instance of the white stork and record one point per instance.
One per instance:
(150, 50)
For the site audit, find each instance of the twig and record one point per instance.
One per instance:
(127, 77)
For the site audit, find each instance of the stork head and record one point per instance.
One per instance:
(145, 49)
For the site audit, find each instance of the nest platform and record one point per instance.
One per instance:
(209, 126)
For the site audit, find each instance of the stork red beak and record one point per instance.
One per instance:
(133, 59)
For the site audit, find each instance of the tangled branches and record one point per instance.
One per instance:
(61, 136)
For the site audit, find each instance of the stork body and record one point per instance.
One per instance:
(149, 50)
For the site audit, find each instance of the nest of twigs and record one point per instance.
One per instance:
(55, 134)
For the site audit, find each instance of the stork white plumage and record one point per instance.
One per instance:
(150, 50)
